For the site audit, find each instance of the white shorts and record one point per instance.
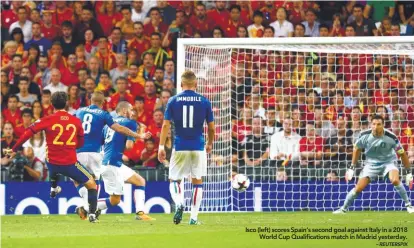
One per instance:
(92, 161)
(373, 171)
(184, 163)
(126, 172)
(113, 180)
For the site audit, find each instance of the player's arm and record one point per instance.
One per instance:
(129, 145)
(210, 136)
(125, 131)
(211, 127)
(29, 132)
(405, 161)
(356, 154)
(166, 125)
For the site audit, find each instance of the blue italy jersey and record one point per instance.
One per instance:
(93, 121)
(188, 111)
(114, 143)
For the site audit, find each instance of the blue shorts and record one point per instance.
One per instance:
(76, 172)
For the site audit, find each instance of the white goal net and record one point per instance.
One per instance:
(288, 111)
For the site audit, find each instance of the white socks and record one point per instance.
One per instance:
(139, 196)
(196, 198)
(177, 193)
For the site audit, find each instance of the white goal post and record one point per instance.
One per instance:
(272, 79)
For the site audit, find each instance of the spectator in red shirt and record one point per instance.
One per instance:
(49, 30)
(311, 146)
(230, 25)
(155, 127)
(47, 107)
(297, 13)
(105, 55)
(27, 116)
(142, 116)
(200, 22)
(56, 57)
(120, 95)
(140, 42)
(381, 95)
(108, 17)
(9, 16)
(337, 29)
(63, 13)
(337, 107)
(150, 96)
(149, 154)
(12, 114)
(219, 15)
(155, 24)
(74, 100)
(70, 74)
(354, 68)
(403, 137)
(135, 82)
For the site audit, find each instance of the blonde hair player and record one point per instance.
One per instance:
(188, 111)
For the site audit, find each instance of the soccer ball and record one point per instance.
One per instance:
(240, 182)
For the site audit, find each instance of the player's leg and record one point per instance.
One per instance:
(113, 186)
(83, 158)
(179, 168)
(134, 178)
(394, 176)
(53, 178)
(198, 170)
(92, 162)
(353, 194)
(79, 173)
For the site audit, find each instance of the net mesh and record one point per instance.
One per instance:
(287, 116)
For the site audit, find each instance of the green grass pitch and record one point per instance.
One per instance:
(218, 230)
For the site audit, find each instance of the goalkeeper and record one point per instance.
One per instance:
(380, 147)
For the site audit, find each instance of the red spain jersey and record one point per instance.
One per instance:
(116, 98)
(64, 134)
(305, 145)
(140, 45)
(50, 33)
(15, 119)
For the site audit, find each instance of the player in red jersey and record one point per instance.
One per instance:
(64, 134)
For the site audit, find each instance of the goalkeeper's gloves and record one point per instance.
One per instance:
(408, 178)
(350, 173)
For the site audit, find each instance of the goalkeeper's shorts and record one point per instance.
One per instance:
(373, 171)
(185, 163)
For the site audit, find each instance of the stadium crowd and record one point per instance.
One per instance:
(289, 110)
